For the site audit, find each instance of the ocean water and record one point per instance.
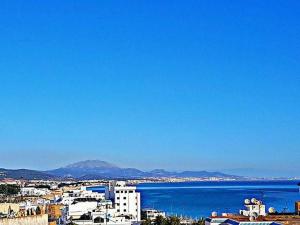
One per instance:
(199, 199)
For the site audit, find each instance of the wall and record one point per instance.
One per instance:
(29, 220)
(4, 207)
(297, 208)
(54, 211)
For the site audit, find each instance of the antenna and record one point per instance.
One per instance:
(285, 209)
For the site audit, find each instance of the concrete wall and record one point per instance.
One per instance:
(5, 206)
(29, 220)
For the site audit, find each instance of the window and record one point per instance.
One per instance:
(124, 197)
(124, 210)
(130, 191)
(118, 210)
(118, 197)
(117, 191)
(124, 204)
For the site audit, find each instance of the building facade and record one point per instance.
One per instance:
(125, 199)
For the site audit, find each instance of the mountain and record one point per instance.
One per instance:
(91, 164)
(191, 174)
(96, 169)
(24, 174)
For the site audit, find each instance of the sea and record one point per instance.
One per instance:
(200, 199)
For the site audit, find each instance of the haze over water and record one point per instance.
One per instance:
(197, 199)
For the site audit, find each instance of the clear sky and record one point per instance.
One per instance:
(151, 84)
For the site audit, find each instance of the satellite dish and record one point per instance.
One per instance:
(247, 201)
(272, 210)
(214, 214)
(253, 200)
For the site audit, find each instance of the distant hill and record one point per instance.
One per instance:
(24, 174)
(92, 164)
(96, 169)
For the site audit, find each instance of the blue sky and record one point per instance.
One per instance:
(151, 84)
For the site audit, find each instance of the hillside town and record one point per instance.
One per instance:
(40, 202)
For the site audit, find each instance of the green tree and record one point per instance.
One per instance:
(159, 220)
(201, 221)
(173, 220)
(9, 189)
(146, 222)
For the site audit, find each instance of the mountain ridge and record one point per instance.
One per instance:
(91, 164)
(24, 174)
(98, 169)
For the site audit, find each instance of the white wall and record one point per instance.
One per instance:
(80, 208)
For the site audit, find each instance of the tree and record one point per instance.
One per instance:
(146, 222)
(159, 220)
(199, 222)
(173, 220)
(9, 189)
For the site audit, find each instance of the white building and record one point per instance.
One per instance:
(125, 199)
(254, 208)
(99, 219)
(226, 221)
(70, 196)
(152, 214)
(32, 191)
(77, 209)
(120, 205)
(96, 213)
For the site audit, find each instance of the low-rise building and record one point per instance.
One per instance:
(120, 205)
(79, 208)
(227, 221)
(152, 214)
(69, 197)
(254, 208)
(32, 191)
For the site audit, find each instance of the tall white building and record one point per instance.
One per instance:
(125, 198)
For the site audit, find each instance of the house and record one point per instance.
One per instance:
(151, 214)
